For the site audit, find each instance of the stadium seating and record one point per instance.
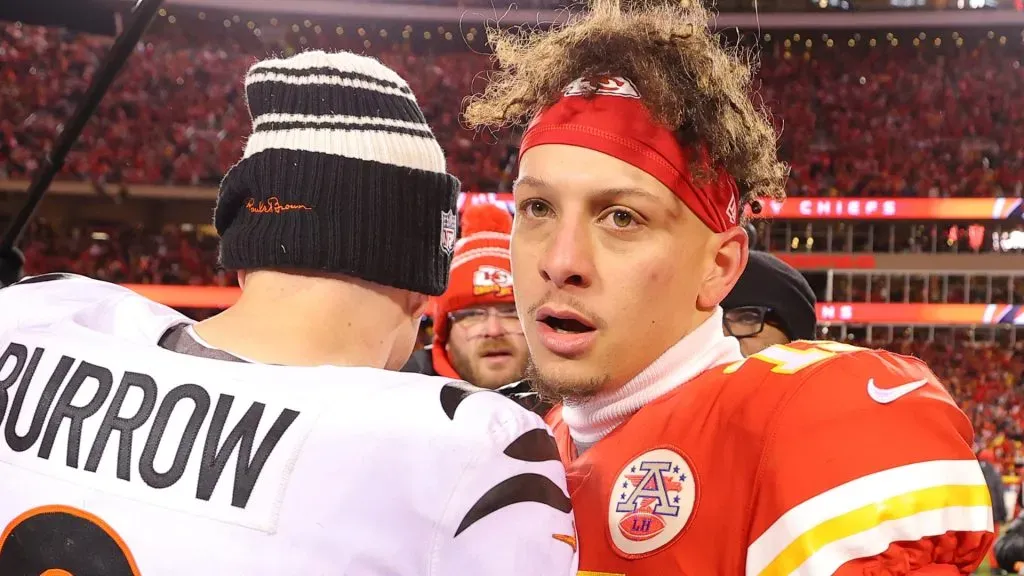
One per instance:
(875, 117)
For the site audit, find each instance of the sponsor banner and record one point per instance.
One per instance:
(828, 312)
(935, 314)
(895, 209)
(849, 208)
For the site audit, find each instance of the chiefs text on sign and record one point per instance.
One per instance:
(825, 207)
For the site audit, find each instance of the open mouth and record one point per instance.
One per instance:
(565, 322)
(497, 354)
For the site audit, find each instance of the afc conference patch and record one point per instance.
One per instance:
(651, 502)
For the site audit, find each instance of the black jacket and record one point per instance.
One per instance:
(1009, 548)
(996, 490)
(420, 362)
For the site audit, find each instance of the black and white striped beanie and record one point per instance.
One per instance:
(342, 174)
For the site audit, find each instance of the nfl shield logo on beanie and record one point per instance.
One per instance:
(448, 223)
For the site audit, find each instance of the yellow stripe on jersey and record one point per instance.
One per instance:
(903, 507)
(589, 573)
(863, 516)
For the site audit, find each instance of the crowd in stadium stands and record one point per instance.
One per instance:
(866, 120)
(873, 119)
(125, 255)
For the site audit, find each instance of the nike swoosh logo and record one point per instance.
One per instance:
(888, 395)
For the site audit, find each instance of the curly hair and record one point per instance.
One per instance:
(688, 78)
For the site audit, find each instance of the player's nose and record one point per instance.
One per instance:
(568, 257)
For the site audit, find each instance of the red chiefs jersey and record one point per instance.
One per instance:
(814, 458)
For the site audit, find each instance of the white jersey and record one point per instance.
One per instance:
(121, 458)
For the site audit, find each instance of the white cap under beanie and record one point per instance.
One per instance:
(342, 174)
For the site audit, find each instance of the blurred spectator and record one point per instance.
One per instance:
(996, 491)
(478, 337)
(771, 304)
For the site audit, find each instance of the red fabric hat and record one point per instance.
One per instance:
(607, 114)
(481, 274)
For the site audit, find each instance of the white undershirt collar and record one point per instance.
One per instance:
(704, 348)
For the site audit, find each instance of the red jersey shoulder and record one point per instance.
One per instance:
(828, 377)
(782, 367)
(821, 380)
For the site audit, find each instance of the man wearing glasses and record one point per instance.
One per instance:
(771, 304)
(477, 334)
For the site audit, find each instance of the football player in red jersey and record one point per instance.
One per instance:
(642, 150)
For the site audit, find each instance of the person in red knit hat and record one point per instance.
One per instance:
(477, 334)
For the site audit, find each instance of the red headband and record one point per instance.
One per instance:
(606, 114)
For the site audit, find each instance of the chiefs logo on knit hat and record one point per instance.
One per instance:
(493, 281)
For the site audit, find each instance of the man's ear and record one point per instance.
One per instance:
(241, 278)
(728, 257)
(417, 304)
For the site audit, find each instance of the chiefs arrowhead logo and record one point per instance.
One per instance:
(605, 85)
(493, 281)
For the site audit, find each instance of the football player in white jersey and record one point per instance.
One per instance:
(271, 439)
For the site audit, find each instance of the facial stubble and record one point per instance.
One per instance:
(555, 390)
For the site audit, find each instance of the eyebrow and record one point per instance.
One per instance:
(602, 194)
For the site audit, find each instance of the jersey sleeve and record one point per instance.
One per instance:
(867, 469)
(510, 512)
(105, 306)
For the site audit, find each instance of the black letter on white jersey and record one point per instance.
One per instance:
(520, 488)
(76, 414)
(124, 426)
(201, 399)
(20, 354)
(248, 467)
(453, 393)
(532, 446)
(22, 443)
